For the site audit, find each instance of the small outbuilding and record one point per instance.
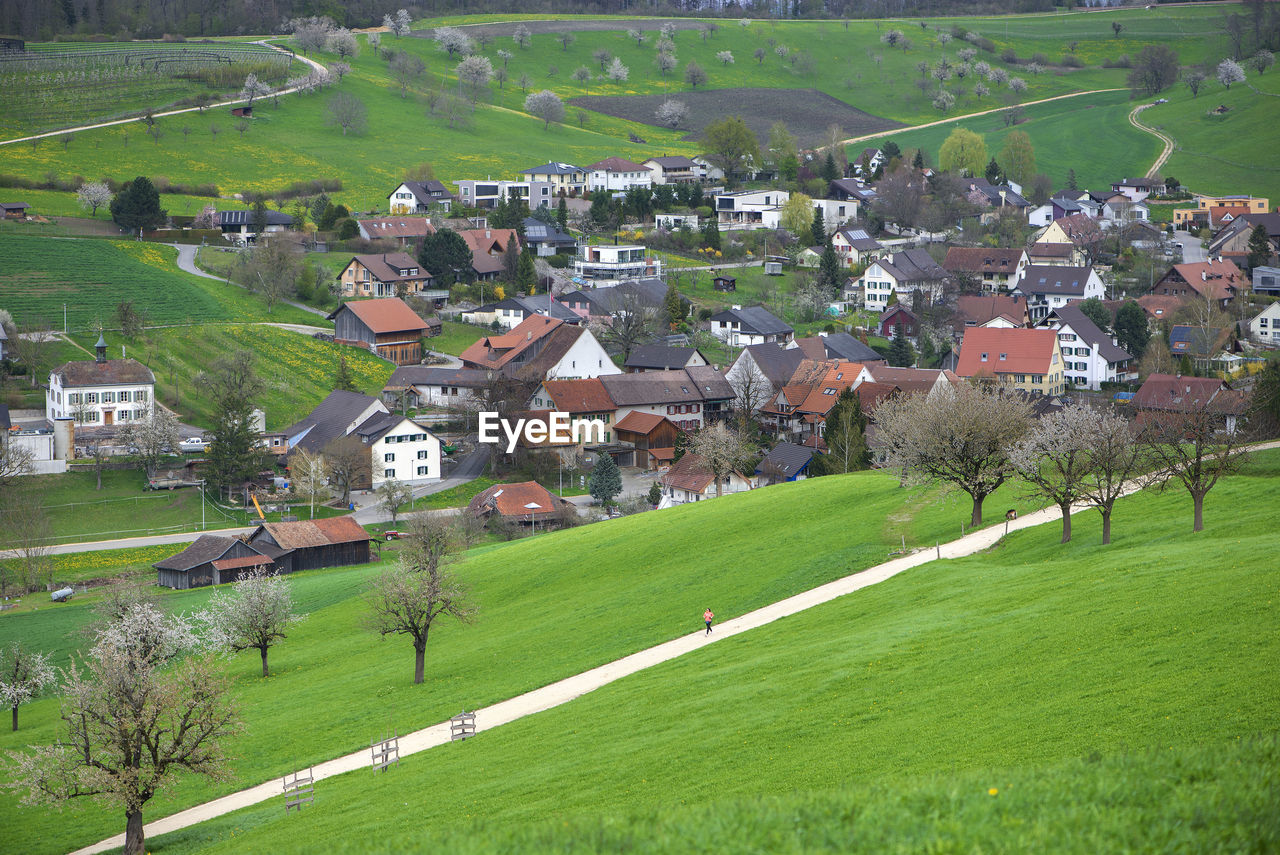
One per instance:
(312, 544)
(527, 503)
(210, 560)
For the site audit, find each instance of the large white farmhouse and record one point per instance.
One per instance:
(103, 392)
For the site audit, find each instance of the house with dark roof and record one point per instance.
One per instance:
(1217, 279)
(995, 198)
(387, 327)
(1137, 189)
(741, 326)
(661, 357)
(604, 305)
(854, 247)
(527, 503)
(399, 448)
(312, 544)
(851, 189)
(563, 178)
(1200, 343)
(617, 175)
(4, 340)
(761, 371)
(994, 310)
(210, 560)
(673, 169)
(899, 320)
(689, 397)
(1232, 241)
(1078, 231)
(244, 223)
(386, 274)
(100, 392)
(786, 461)
(1029, 360)
(418, 197)
(992, 268)
(1090, 356)
(902, 273)
(546, 238)
(1049, 287)
(913, 381)
(690, 480)
(836, 346)
(434, 386)
(510, 312)
(407, 231)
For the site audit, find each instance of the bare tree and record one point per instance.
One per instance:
(130, 723)
(638, 35)
(93, 195)
(15, 462)
(310, 476)
(407, 597)
(672, 112)
(28, 534)
(1116, 461)
(24, 674)
(694, 75)
(602, 56)
(751, 391)
(347, 112)
(348, 464)
(1054, 458)
(721, 451)
(253, 616)
(405, 69)
(393, 495)
(274, 268)
(151, 438)
(374, 41)
(565, 39)
(634, 322)
(960, 436)
(33, 345)
(1191, 445)
(546, 105)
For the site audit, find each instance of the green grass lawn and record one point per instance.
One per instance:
(39, 275)
(455, 338)
(298, 370)
(291, 142)
(644, 578)
(1042, 697)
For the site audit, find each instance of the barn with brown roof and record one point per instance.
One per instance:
(527, 503)
(388, 327)
(210, 560)
(310, 544)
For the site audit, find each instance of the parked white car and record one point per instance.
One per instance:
(195, 443)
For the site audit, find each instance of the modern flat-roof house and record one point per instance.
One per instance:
(750, 209)
(740, 326)
(387, 327)
(1049, 287)
(1029, 360)
(101, 392)
(386, 274)
(607, 264)
(562, 177)
(485, 194)
(419, 197)
(242, 223)
(1090, 356)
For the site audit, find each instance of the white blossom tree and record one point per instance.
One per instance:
(342, 42)
(254, 615)
(393, 495)
(521, 36)
(636, 34)
(1229, 71)
(310, 475)
(311, 33)
(151, 438)
(374, 41)
(672, 112)
(253, 89)
(725, 57)
(618, 72)
(1116, 460)
(24, 674)
(93, 195)
(474, 74)
(546, 105)
(129, 722)
(722, 452)
(453, 42)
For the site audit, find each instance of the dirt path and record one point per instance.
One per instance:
(569, 688)
(1167, 140)
(311, 62)
(904, 130)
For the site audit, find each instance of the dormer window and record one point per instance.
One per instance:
(1003, 357)
(984, 357)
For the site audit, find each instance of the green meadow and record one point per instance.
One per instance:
(551, 606)
(1074, 698)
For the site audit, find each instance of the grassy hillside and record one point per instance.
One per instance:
(1078, 699)
(292, 142)
(550, 607)
(297, 369)
(39, 275)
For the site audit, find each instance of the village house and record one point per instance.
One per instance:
(244, 225)
(1029, 360)
(1232, 242)
(486, 194)
(582, 400)
(990, 269)
(995, 198)
(210, 560)
(1198, 216)
(434, 386)
(604, 305)
(750, 209)
(513, 311)
(851, 190)
(563, 178)
(1216, 279)
(527, 504)
(1264, 327)
(740, 326)
(609, 264)
(652, 439)
(419, 197)
(690, 397)
(617, 175)
(101, 392)
(541, 348)
(1266, 281)
(836, 346)
(897, 320)
(546, 239)
(488, 246)
(689, 480)
(1064, 204)
(674, 169)
(1137, 189)
(867, 163)
(785, 462)
(1051, 287)
(854, 247)
(901, 273)
(995, 310)
(399, 448)
(388, 274)
(661, 357)
(387, 327)
(1170, 393)
(800, 409)
(761, 371)
(1090, 356)
(1071, 240)
(407, 231)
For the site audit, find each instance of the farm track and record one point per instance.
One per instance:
(1167, 140)
(63, 131)
(563, 691)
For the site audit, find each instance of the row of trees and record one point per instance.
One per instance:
(143, 702)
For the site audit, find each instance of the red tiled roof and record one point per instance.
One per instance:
(1159, 306)
(981, 309)
(982, 260)
(497, 350)
(688, 473)
(307, 533)
(617, 164)
(1008, 351)
(1212, 278)
(246, 561)
(638, 422)
(823, 394)
(511, 500)
(386, 315)
(579, 396)
(1175, 392)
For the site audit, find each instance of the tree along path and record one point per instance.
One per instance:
(1167, 140)
(864, 137)
(311, 62)
(187, 263)
(563, 691)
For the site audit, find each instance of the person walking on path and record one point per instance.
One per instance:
(707, 617)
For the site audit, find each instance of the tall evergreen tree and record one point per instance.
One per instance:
(137, 206)
(343, 378)
(711, 234)
(606, 480)
(900, 353)
(830, 171)
(232, 386)
(918, 160)
(526, 271)
(511, 260)
(993, 171)
(562, 214)
(1259, 247)
(818, 229)
(673, 306)
(446, 256)
(829, 272)
(1071, 180)
(1132, 330)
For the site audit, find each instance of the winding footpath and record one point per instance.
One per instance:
(566, 690)
(1167, 140)
(311, 62)
(187, 263)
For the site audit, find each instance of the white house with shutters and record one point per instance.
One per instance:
(102, 392)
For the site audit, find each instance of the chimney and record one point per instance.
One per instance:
(101, 348)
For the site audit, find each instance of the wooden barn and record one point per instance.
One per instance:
(386, 326)
(310, 544)
(653, 436)
(210, 560)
